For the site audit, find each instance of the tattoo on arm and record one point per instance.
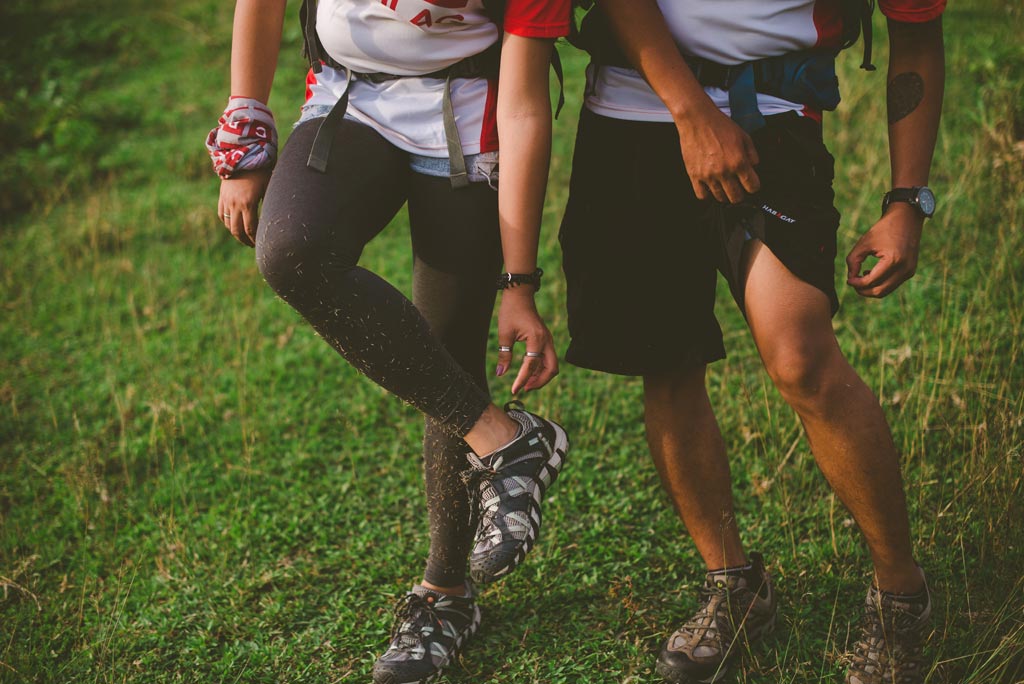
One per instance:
(904, 95)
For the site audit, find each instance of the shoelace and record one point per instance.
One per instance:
(867, 651)
(409, 614)
(473, 478)
(706, 621)
(476, 475)
(715, 619)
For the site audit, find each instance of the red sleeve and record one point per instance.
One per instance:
(538, 18)
(912, 11)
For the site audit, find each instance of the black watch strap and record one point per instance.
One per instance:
(912, 196)
(507, 280)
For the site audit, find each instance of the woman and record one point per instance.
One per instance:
(400, 94)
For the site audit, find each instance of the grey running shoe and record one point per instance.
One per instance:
(891, 645)
(736, 608)
(429, 630)
(506, 489)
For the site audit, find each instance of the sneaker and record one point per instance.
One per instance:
(891, 645)
(506, 489)
(429, 630)
(736, 607)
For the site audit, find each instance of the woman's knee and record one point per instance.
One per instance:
(292, 253)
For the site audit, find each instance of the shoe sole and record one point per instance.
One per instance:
(549, 473)
(459, 643)
(677, 676)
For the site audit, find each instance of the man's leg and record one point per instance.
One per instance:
(791, 324)
(737, 599)
(688, 450)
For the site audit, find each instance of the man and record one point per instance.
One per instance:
(700, 146)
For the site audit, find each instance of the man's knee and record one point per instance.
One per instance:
(805, 374)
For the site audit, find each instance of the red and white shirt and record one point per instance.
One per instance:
(411, 37)
(733, 32)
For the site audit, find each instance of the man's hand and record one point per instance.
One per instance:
(238, 207)
(719, 156)
(895, 240)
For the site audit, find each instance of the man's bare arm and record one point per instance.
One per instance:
(914, 103)
(719, 155)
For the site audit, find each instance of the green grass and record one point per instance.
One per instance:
(194, 488)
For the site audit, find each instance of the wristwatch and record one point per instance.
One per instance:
(507, 280)
(921, 198)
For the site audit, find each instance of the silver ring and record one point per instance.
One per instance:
(503, 348)
(226, 216)
(533, 355)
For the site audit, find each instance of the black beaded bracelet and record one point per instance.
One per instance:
(507, 280)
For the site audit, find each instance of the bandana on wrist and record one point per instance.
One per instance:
(245, 138)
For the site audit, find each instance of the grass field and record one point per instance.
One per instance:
(194, 488)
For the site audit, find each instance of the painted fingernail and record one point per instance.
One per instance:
(499, 370)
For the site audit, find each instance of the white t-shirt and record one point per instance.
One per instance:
(410, 37)
(733, 32)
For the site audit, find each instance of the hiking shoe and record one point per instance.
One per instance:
(506, 489)
(737, 607)
(429, 630)
(891, 645)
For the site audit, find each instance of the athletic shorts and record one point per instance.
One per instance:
(641, 253)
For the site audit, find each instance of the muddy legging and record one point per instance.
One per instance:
(312, 231)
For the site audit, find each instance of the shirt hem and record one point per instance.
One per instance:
(528, 30)
(914, 16)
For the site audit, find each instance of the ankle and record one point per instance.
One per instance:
(904, 581)
(493, 430)
(458, 590)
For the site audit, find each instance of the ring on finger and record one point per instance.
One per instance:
(227, 217)
(533, 355)
(503, 348)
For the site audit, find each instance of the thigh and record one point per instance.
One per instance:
(795, 204)
(639, 254)
(790, 318)
(334, 213)
(457, 249)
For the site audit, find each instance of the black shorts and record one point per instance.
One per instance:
(641, 252)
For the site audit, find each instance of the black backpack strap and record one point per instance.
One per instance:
(312, 49)
(556, 66)
(320, 152)
(310, 43)
(865, 23)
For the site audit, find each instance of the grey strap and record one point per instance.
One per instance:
(456, 160)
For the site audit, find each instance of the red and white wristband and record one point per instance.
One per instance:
(245, 138)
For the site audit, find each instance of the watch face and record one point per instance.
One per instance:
(926, 200)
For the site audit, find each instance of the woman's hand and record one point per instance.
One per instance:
(518, 321)
(238, 206)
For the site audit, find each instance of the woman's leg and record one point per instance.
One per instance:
(457, 256)
(312, 232)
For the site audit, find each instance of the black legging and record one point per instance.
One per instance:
(312, 232)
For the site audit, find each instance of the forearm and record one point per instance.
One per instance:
(914, 98)
(524, 134)
(255, 43)
(647, 42)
